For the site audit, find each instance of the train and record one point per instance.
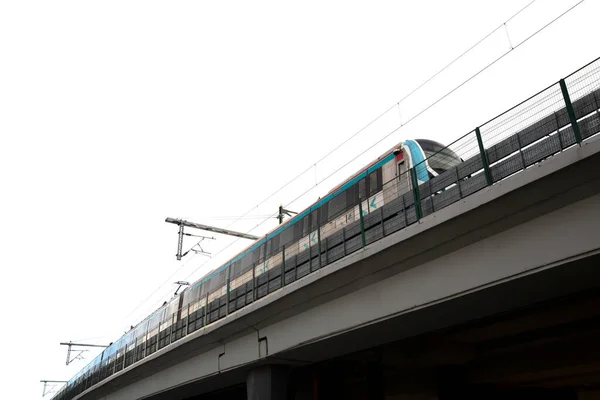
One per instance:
(297, 243)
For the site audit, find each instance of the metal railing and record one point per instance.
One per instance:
(562, 115)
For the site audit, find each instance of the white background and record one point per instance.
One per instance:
(117, 114)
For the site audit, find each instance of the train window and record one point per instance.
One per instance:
(216, 282)
(172, 309)
(351, 196)
(247, 261)
(287, 235)
(212, 284)
(442, 161)
(362, 189)
(337, 205)
(323, 213)
(200, 291)
(236, 268)
(313, 219)
(373, 182)
(257, 254)
(191, 295)
(272, 246)
(297, 227)
(439, 158)
(268, 246)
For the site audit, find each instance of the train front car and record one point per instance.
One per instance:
(430, 158)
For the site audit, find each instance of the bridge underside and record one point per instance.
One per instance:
(526, 338)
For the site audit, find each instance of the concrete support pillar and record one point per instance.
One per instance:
(449, 383)
(268, 382)
(375, 382)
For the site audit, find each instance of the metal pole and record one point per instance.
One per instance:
(158, 337)
(319, 243)
(146, 340)
(521, 151)
(283, 266)
(182, 222)
(254, 280)
(206, 309)
(570, 111)
(180, 242)
(172, 327)
(309, 251)
(114, 363)
(484, 159)
(558, 131)
(99, 369)
(403, 206)
(458, 183)
(362, 224)
(135, 351)
(344, 241)
(430, 196)
(227, 298)
(124, 354)
(187, 322)
(296, 263)
(82, 344)
(416, 194)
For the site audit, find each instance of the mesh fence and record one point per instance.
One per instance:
(526, 134)
(584, 90)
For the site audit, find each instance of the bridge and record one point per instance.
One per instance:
(439, 293)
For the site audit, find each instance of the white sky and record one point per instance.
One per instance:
(117, 114)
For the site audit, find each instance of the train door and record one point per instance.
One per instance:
(403, 171)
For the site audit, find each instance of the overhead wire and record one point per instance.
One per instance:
(368, 125)
(314, 164)
(464, 53)
(404, 124)
(438, 100)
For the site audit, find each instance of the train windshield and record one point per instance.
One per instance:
(439, 157)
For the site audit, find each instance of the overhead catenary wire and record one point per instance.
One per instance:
(396, 104)
(438, 100)
(313, 165)
(463, 54)
(407, 122)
